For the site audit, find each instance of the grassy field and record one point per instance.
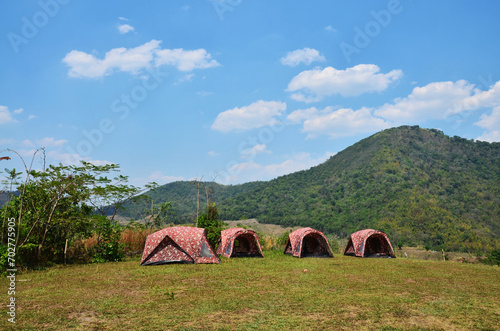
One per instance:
(276, 292)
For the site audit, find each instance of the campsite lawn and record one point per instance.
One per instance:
(270, 293)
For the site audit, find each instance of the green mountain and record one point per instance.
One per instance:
(419, 186)
(183, 196)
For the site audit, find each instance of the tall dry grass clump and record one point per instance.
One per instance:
(135, 239)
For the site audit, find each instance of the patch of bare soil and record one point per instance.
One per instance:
(85, 318)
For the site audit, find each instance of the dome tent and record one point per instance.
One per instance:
(369, 243)
(179, 244)
(307, 242)
(239, 242)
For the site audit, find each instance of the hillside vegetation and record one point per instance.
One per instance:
(419, 186)
(183, 196)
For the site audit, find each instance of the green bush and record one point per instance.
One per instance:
(493, 257)
(210, 222)
(109, 246)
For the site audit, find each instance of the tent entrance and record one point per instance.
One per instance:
(376, 246)
(245, 245)
(168, 252)
(314, 246)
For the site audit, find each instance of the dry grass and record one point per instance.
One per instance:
(270, 293)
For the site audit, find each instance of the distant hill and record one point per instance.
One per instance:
(183, 196)
(4, 196)
(419, 186)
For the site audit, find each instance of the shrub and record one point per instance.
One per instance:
(493, 258)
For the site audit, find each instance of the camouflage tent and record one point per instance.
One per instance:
(179, 244)
(307, 242)
(369, 243)
(238, 242)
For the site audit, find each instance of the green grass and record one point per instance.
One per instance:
(260, 294)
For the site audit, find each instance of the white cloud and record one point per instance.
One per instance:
(204, 93)
(489, 98)
(316, 84)
(185, 60)
(252, 171)
(185, 78)
(306, 56)
(492, 124)
(6, 141)
(50, 142)
(73, 159)
(255, 150)
(125, 28)
(330, 28)
(438, 100)
(6, 115)
(32, 117)
(160, 178)
(258, 114)
(27, 142)
(134, 60)
(434, 101)
(490, 136)
(337, 122)
(212, 153)
(301, 115)
(18, 111)
(157, 177)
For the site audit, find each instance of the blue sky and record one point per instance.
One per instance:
(239, 90)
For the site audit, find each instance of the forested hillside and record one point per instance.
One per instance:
(184, 198)
(418, 185)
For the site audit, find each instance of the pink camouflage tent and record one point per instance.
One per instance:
(307, 242)
(239, 242)
(179, 244)
(369, 243)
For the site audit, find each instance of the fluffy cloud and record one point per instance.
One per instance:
(434, 101)
(255, 150)
(6, 115)
(337, 122)
(134, 60)
(72, 158)
(306, 56)
(492, 124)
(258, 114)
(212, 153)
(314, 85)
(125, 28)
(185, 60)
(441, 100)
(252, 171)
(50, 142)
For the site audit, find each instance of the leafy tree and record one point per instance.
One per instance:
(210, 222)
(60, 205)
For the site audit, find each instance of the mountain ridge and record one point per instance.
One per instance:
(418, 185)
